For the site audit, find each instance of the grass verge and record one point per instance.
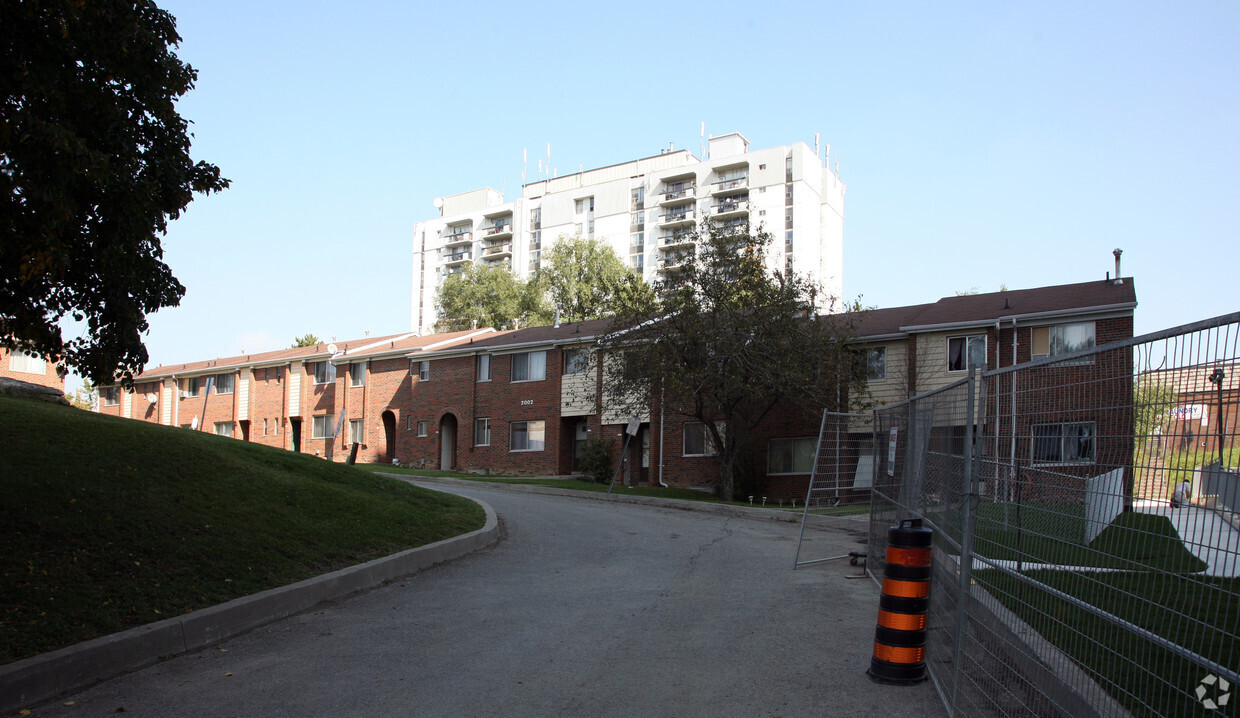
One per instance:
(111, 523)
(1197, 613)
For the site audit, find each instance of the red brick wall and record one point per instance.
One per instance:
(49, 378)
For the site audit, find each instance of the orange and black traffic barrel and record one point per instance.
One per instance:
(900, 638)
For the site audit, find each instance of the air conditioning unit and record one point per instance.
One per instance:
(184, 394)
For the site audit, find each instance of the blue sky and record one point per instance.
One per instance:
(983, 144)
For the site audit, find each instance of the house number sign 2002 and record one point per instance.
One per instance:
(527, 402)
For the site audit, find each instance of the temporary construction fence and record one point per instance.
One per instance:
(842, 471)
(1064, 582)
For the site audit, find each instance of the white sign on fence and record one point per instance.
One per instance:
(891, 452)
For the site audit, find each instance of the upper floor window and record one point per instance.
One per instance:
(324, 372)
(26, 363)
(876, 364)
(484, 367)
(224, 383)
(576, 361)
(111, 395)
(1063, 339)
(189, 387)
(965, 352)
(424, 370)
(357, 374)
(530, 366)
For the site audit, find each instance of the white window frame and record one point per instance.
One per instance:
(324, 372)
(424, 370)
(529, 429)
(323, 426)
(1066, 431)
(708, 443)
(221, 380)
(357, 431)
(482, 431)
(357, 374)
(424, 428)
(969, 340)
(795, 443)
(483, 367)
(876, 364)
(20, 361)
(531, 370)
(224, 428)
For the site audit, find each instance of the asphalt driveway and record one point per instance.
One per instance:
(585, 607)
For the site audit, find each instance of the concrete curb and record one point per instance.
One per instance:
(47, 675)
(854, 521)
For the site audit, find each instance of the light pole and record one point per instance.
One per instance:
(1216, 378)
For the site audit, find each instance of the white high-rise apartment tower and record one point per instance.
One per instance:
(642, 208)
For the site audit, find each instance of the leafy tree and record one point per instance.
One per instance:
(485, 296)
(307, 340)
(84, 396)
(94, 162)
(1152, 402)
(726, 344)
(586, 279)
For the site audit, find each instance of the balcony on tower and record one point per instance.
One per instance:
(730, 206)
(457, 235)
(730, 178)
(678, 189)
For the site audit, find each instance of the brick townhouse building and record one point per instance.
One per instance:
(20, 366)
(524, 401)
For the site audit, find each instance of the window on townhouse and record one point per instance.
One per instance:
(357, 431)
(424, 371)
(1068, 443)
(25, 363)
(424, 428)
(529, 366)
(223, 428)
(697, 440)
(224, 383)
(111, 395)
(790, 456)
(275, 427)
(876, 363)
(324, 372)
(483, 363)
(189, 387)
(576, 361)
(1063, 339)
(965, 352)
(482, 432)
(527, 436)
(357, 374)
(324, 427)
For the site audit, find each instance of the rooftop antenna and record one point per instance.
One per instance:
(540, 169)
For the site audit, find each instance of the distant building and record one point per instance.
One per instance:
(643, 208)
(525, 401)
(16, 364)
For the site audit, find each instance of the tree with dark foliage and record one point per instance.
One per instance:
(94, 162)
(727, 343)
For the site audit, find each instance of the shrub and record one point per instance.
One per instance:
(596, 459)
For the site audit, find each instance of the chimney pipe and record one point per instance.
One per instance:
(1117, 252)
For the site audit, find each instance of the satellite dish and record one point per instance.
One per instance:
(332, 348)
(438, 203)
(151, 398)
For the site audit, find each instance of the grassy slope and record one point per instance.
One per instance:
(111, 523)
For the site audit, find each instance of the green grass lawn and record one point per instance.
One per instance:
(111, 523)
(1189, 612)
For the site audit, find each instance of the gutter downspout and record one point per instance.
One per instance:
(661, 395)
